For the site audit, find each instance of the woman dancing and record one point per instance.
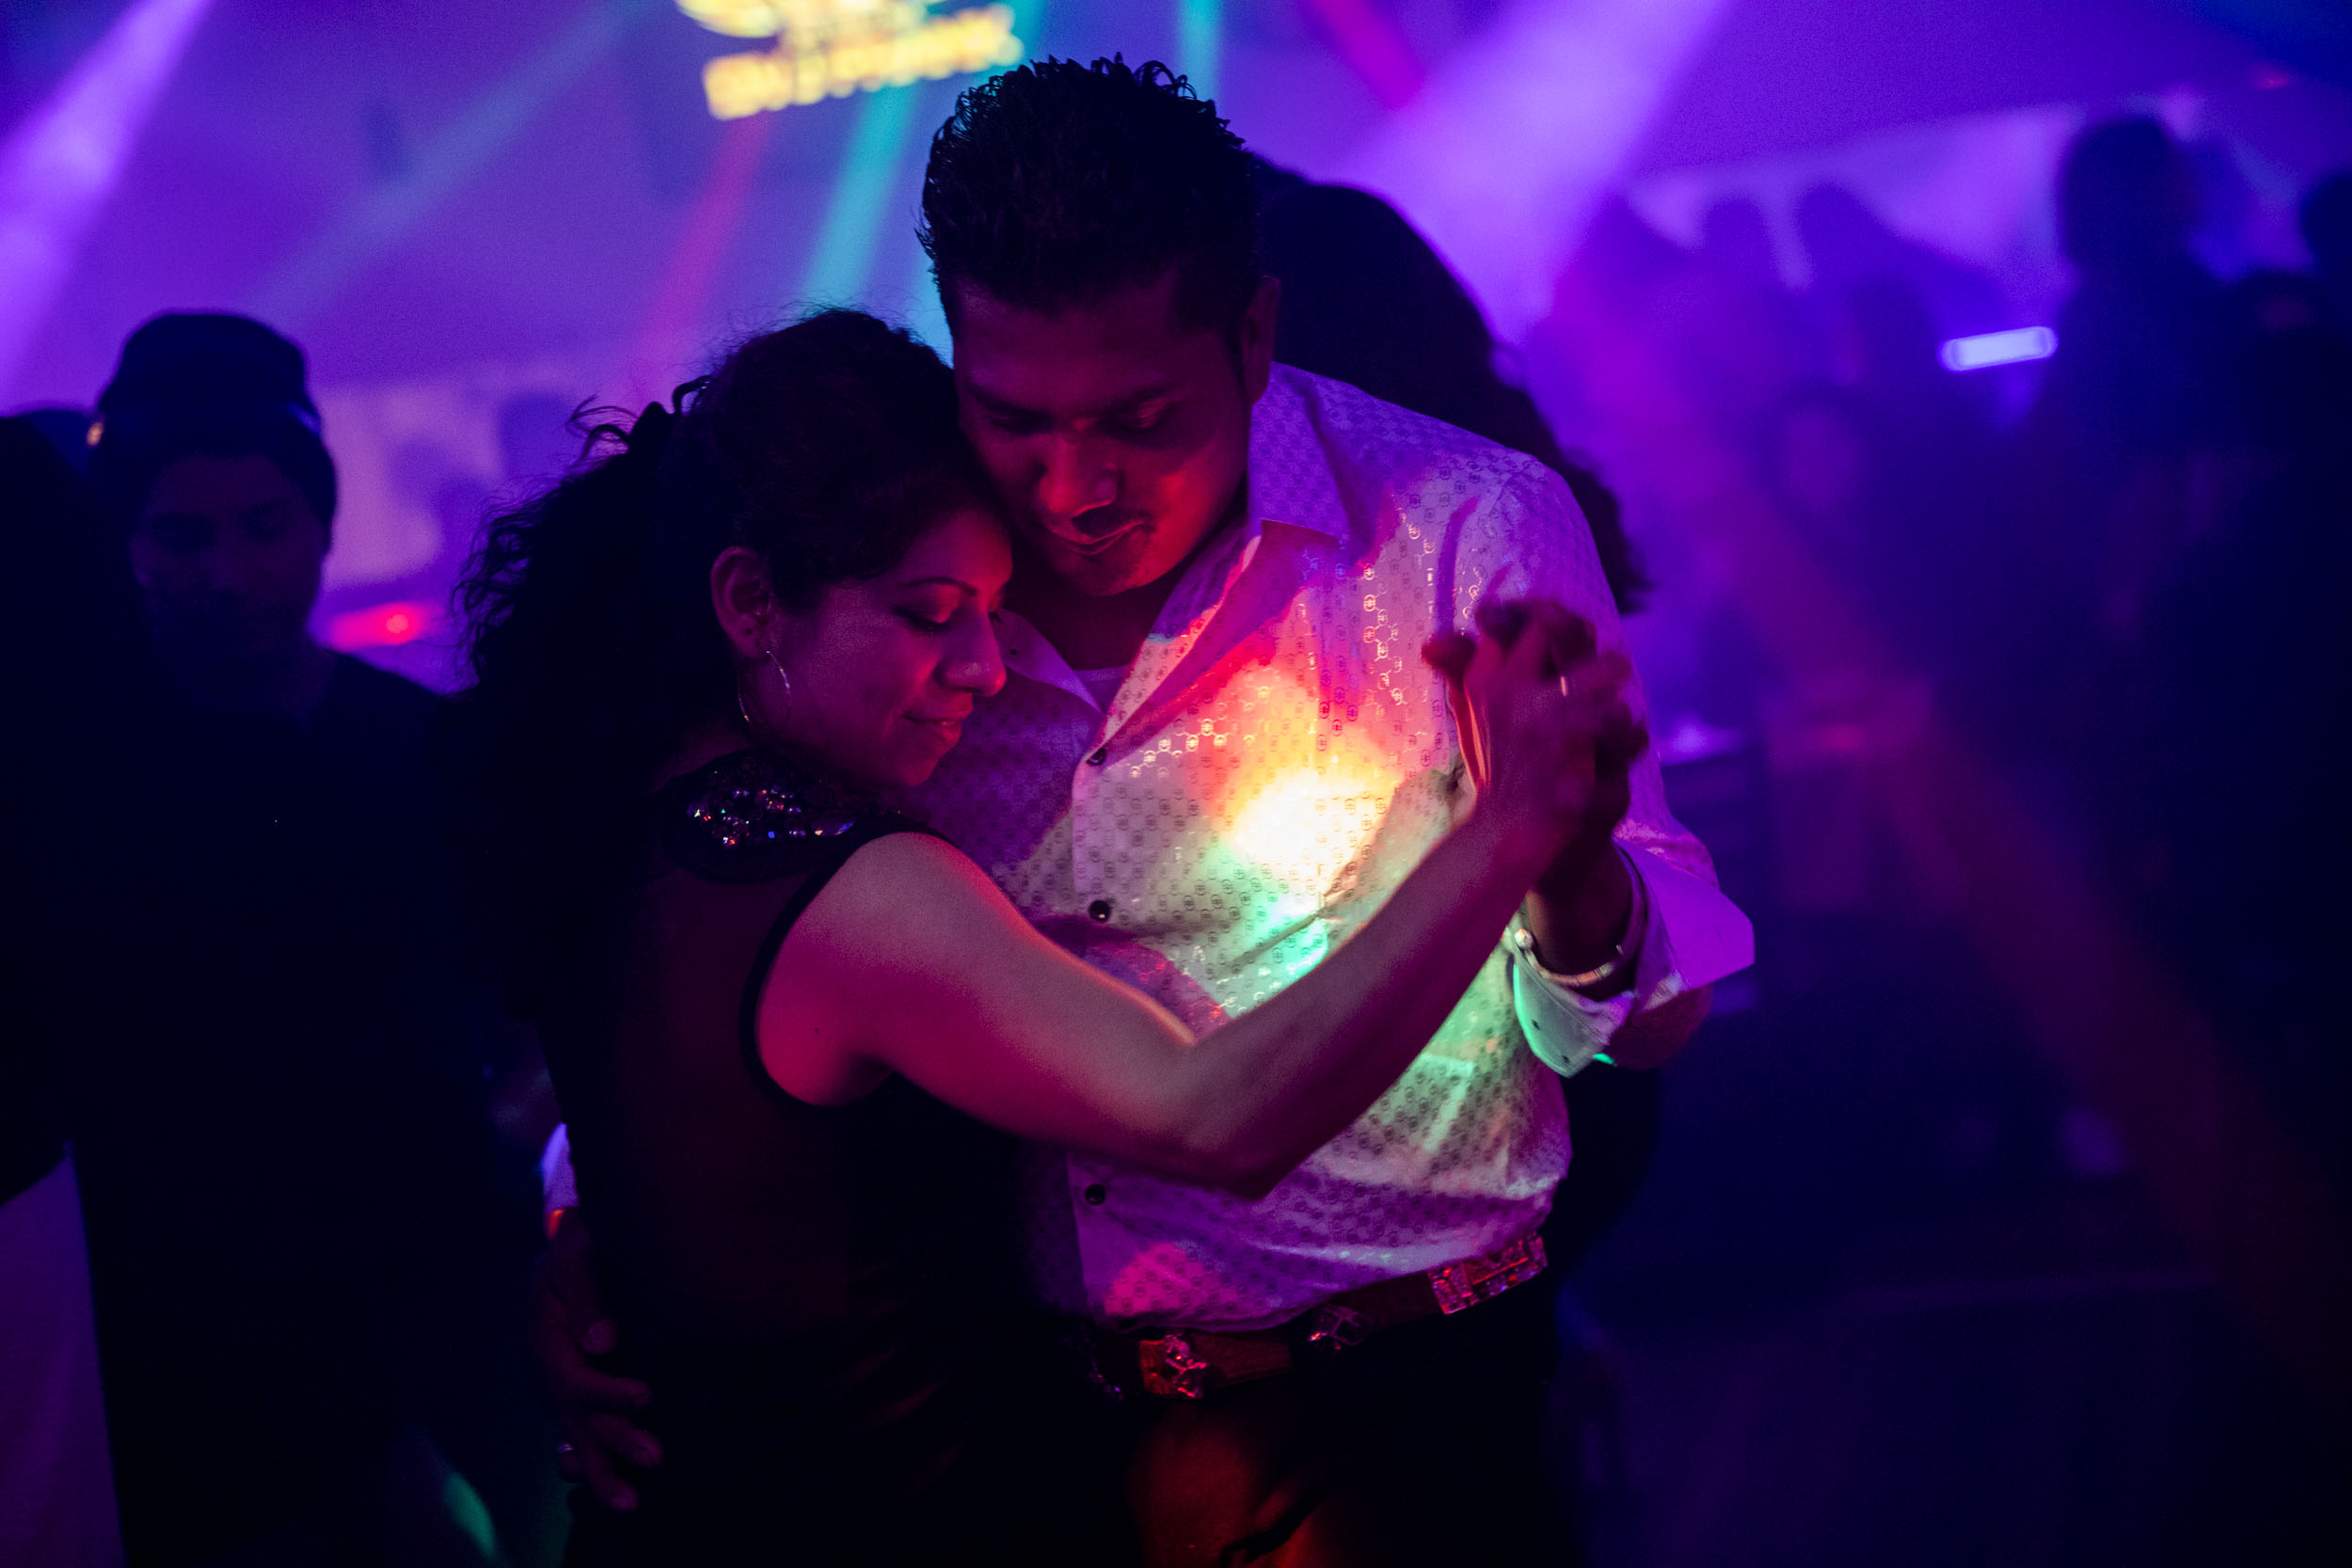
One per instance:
(791, 1030)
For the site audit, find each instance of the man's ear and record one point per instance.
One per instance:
(743, 601)
(1257, 337)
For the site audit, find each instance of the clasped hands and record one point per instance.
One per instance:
(1592, 737)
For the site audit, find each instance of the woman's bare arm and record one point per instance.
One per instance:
(911, 961)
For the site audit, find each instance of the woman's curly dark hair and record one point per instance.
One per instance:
(828, 447)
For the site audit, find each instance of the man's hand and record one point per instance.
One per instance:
(569, 1326)
(1579, 906)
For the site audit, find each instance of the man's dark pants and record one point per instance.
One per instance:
(1419, 1445)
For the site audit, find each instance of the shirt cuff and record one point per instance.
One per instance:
(1690, 936)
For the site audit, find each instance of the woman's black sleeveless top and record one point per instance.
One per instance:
(820, 1298)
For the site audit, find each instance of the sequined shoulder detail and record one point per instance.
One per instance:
(751, 817)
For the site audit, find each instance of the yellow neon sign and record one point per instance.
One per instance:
(833, 48)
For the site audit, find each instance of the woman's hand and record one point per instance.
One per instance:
(1545, 732)
(569, 1330)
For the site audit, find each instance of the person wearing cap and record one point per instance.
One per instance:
(307, 1241)
(207, 449)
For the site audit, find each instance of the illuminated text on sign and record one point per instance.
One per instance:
(832, 48)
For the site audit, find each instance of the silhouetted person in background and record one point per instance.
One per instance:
(1846, 244)
(2226, 203)
(1735, 238)
(1929, 547)
(2142, 339)
(277, 1069)
(2134, 393)
(1883, 342)
(1735, 256)
(2247, 848)
(1367, 301)
(2325, 220)
(1623, 252)
(1727, 326)
(73, 654)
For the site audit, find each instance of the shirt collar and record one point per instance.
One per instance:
(1290, 467)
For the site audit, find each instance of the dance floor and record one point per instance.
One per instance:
(1875, 1339)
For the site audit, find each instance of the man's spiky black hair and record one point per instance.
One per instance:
(1054, 185)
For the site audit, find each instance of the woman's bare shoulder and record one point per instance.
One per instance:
(911, 863)
(907, 892)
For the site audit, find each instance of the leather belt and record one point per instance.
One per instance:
(1188, 1363)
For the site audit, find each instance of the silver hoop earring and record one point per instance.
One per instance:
(784, 677)
(743, 708)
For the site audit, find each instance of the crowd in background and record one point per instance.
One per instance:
(2116, 576)
(302, 1132)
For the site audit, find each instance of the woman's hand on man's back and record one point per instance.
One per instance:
(569, 1331)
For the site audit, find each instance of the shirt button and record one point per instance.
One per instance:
(1100, 908)
(1097, 1194)
(1101, 754)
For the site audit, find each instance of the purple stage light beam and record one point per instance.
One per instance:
(1503, 156)
(64, 159)
(311, 280)
(1374, 48)
(664, 340)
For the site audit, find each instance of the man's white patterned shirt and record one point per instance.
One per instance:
(1276, 759)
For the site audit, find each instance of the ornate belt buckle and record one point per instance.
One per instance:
(1172, 1368)
(1476, 1279)
(1335, 1328)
